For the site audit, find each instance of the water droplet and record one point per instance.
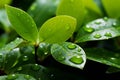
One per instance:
(108, 34)
(25, 58)
(61, 58)
(88, 29)
(114, 24)
(79, 49)
(97, 36)
(76, 59)
(35, 67)
(46, 53)
(97, 22)
(71, 46)
(27, 77)
(12, 76)
(112, 58)
(105, 18)
(19, 69)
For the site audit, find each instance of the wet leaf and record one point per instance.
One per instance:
(69, 54)
(74, 8)
(22, 23)
(42, 10)
(103, 56)
(99, 29)
(57, 29)
(17, 77)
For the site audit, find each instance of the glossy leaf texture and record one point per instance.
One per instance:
(103, 56)
(43, 51)
(17, 77)
(37, 71)
(57, 29)
(22, 23)
(69, 54)
(74, 8)
(42, 10)
(99, 29)
(112, 8)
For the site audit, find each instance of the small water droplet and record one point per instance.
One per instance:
(97, 22)
(108, 34)
(27, 77)
(76, 59)
(114, 24)
(19, 69)
(35, 67)
(25, 58)
(67, 27)
(112, 58)
(46, 53)
(61, 58)
(12, 76)
(79, 49)
(105, 18)
(88, 29)
(97, 36)
(71, 46)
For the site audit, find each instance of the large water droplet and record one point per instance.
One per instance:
(76, 59)
(36, 67)
(88, 29)
(79, 49)
(71, 46)
(12, 76)
(105, 18)
(27, 77)
(97, 22)
(108, 34)
(25, 58)
(97, 36)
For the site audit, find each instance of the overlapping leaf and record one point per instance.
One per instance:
(99, 29)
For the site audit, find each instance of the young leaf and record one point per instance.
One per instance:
(99, 29)
(69, 54)
(22, 23)
(74, 8)
(112, 7)
(57, 29)
(42, 10)
(17, 77)
(103, 56)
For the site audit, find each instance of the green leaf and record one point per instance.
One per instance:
(17, 77)
(3, 40)
(3, 2)
(112, 7)
(69, 54)
(22, 23)
(74, 8)
(37, 71)
(43, 51)
(99, 29)
(103, 56)
(42, 10)
(57, 29)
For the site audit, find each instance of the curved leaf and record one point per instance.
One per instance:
(17, 77)
(74, 8)
(3, 2)
(43, 51)
(57, 29)
(103, 56)
(42, 10)
(99, 29)
(112, 7)
(69, 54)
(22, 23)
